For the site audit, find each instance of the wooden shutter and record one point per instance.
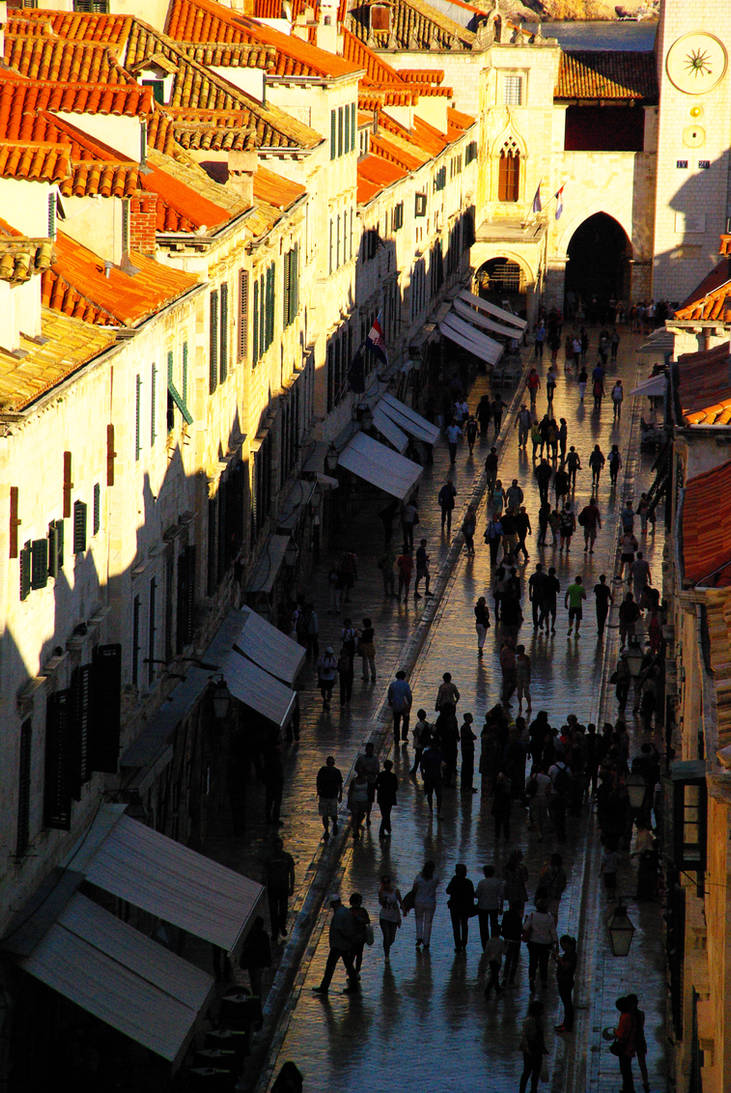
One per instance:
(286, 286)
(39, 563)
(55, 547)
(213, 344)
(111, 454)
(255, 324)
(346, 129)
(67, 484)
(262, 315)
(243, 342)
(25, 571)
(186, 596)
(138, 396)
(15, 523)
(22, 830)
(97, 510)
(223, 340)
(340, 130)
(352, 126)
(153, 404)
(184, 377)
(270, 306)
(332, 134)
(104, 726)
(57, 795)
(81, 699)
(296, 279)
(79, 527)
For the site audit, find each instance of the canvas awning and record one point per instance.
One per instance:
(660, 341)
(172, 882)
(389, 429)
(122, 977)
(258, 689)
(268, 647)
(493, 309)
(481, 321)
(270, 562)
(292, 509)
(470, 338)
(407, 419)
(652, 387)
(380, 465)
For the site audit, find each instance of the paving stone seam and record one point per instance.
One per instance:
(329, 859)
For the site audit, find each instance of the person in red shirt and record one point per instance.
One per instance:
(625, 1043)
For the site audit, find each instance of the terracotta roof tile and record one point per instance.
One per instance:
(34, 162)
(375, 97)
(57, 60)
(415, 25)
(295, 57)
(377, 71)
(21, 257)
(78, 285)
(711, 300)
(80, 26)
(605, 74)
(232, 54)
(429, 137)
(374, 175)
(20, 98)
(188, 200)
(459, 121)
(706, 531)
(704, 386)
(276, 190)
(422, 75)
(68, 346)
(398, 151)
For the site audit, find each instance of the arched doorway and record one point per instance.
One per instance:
(503, 280)
(598, 266)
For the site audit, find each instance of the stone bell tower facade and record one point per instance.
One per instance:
(693, 196)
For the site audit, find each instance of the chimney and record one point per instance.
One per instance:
(143, 224)
(241, 166)
(326, 31)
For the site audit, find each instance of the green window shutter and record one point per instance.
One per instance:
(243, 346)
(39, 563)
(223, 340)
(79, 527)
(255, 324)
(153, 404)
(296, 278)
(25, 570)
(138, 396)
(346, 130)
(352, 126)
(286, 289)
(97, 512)
(213, 344)
(332, 134)
(270, 306)
(340, 130)
(174, 394)
(262, 316)
(55, 548)
(184, 384)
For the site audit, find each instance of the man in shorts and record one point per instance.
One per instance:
(329, 794)
(574, 598)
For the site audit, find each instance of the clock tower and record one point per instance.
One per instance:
(693, 196)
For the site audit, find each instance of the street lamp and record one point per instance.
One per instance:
(621, 931)
(221, 700)
(636, 790)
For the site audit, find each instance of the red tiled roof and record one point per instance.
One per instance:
(704, 386)
(605, 74)
(276, 190)
(298, 58)
(422, 75)
(725, 246)
(377, 71)
(72, 25)
(21, 98)
(78, 285)
(374, 175)
(34, 162)
(459, 121)
(707, 528)
(395, 153)
(375, 97)
(712, 299)
(430, 138)
(57, 60)
(181, 209)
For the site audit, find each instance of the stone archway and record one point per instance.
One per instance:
(598, 267)
(503, 279)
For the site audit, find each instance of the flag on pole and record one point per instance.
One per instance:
(376, 341)
(559, 202)
(537, 206)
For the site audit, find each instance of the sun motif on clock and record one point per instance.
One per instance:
(696, 62)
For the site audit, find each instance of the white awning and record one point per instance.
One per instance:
(408, 420)
(379, 465)
(292, 507)
(389, 429)
(659, 341)
(493, 309)
(268, 566)
(269, 648)
(176, 884)
(470, 338)
(122, 977)
(652, 387)
(480, 320)
(258, 689)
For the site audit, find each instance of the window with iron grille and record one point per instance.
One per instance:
(79, 527)
(213, 343)
(223, 335)
(513, 90)
(55, 548)
(243, 316)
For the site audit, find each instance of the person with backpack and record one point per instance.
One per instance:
(603, 597)
(469, 524)
(493, 537)
(567, 527)
(615, 462)
(561, 788)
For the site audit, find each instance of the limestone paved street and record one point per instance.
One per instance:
(422, 1018)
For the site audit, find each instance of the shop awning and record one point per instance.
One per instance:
(122, 977)
(408, 420)
(268, 647)
(479, 319)
(258, 689)
(390, 430)
(652, 387)
(172, 882)
(379, 465)
(660, 341)
(470, 338)
(267, 568)
(294, 505)
(493, 309)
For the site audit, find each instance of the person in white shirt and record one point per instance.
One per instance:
(539, 931)
(424, 891)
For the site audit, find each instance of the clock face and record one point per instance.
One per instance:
(696, 62)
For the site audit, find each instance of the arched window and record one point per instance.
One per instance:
(508, 187)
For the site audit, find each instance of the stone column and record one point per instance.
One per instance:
(554, 283)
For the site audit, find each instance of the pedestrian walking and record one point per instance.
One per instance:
(454, 435)
(515, 882)
(567, 527)
(552, 882)
(523, 421)
(615, 462)
(617, 399)
(573, 464)
(494, 949)
(387, 515)
(327, 667)
(629, 615)
(544, 513)
(385, 563)
(422, 570)
(482, 623)
(493, 537)
(280, 886)
(386, 791)
(468, 530)
(574, 599)
(563, 436)
(533, 382)
(491, 465)
(404, 567)
(256, 955)
(539, 337)
(582, 380)
(363, 929)
(367, 764)
(497, 499)
(566, 962)
(533, 1047)
(446, 501)
(484, 415)
(511, 930)
(341, 940)
(522, 676)
(641, 577)
(498, 409)
(502, 803)
(409, 519)
(367, 650)
(329, 787)
(358, 802)
(447, 693)
(470, 432)
(640, 1041)
(603, 598)
(461, 905)
(551, 380)
(625, 1043)
(543, 475)
(489, 904)
(389, 916)
(627, 547)
(596, 462)
(539, 933)
(467, 739)
(514, 496)
(597, 386)
(590, 519)
(551, 588)
(431, 770)
(424, 892)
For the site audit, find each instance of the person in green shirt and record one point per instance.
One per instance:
(575, 595)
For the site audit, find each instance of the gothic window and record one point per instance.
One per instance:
(509, 172)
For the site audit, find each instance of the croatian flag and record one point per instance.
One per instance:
(537, 206)
(376, 340)
(559, 202)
